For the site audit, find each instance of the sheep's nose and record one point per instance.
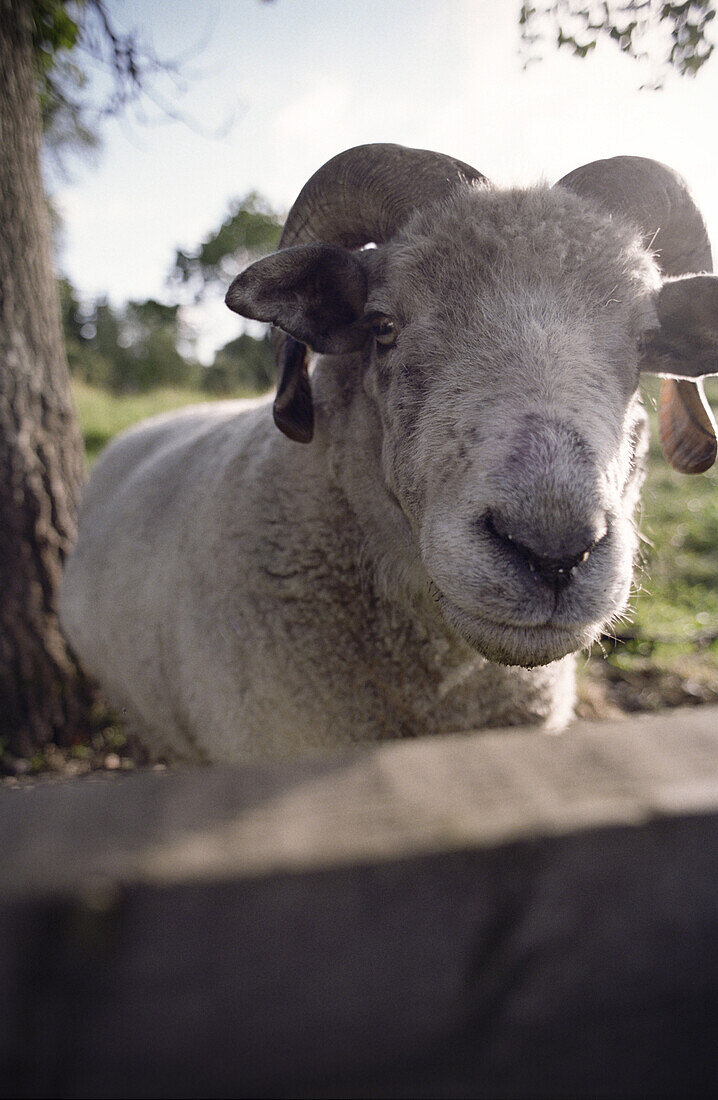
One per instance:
(553, 558)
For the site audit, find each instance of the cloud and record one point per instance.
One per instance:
(325, 101)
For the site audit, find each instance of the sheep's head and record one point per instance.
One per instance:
(478, 381)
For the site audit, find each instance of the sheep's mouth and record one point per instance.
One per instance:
(507, 644)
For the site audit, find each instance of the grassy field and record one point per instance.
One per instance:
(669, 648)
(668, 652)
(103, 415)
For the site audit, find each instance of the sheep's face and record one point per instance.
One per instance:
(499, 390)
(476, 401)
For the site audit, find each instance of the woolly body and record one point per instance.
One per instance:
(265, 635)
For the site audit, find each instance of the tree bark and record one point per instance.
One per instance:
(42, 695)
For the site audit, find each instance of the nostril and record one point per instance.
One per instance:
(557, 572)
(556, 569)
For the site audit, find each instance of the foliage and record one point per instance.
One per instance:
(136, 349)
(70, 310)
(673, 37)
(130, 350)
(250, 229)
(85, 362)
(242, 364)
(56, 32)
(149, 333)
(89, 69)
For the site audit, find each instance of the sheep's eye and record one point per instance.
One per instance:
(385, 331)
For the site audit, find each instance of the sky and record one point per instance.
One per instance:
(273, 90)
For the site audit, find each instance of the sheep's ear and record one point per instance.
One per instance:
(684, 346)
(314, 292)
(293, 406)
(687, 428)
(685, 343)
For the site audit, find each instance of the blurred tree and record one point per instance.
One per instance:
(250, 230)
(70, 310)
(103, 339)
(126, 350)
(672, 37)
(246, 363)
(73, 39)
(55, 34)
(46, 47)
(148, 335)
(41, 451)
(84, 360)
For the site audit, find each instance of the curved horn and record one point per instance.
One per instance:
(361, 195)
(658, 201)
(366, 193)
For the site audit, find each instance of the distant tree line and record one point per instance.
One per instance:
(145, 344)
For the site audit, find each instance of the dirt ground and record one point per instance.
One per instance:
(606, 691)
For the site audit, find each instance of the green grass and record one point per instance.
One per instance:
(103, 414)
(676, 605)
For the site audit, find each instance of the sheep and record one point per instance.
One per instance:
(447, 512)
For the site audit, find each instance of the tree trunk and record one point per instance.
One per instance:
(42, 695)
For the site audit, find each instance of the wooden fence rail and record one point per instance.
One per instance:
(500, 914)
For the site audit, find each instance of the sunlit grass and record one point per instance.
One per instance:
(103, 414)
(675, 612)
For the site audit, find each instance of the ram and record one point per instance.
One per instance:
(447, 513)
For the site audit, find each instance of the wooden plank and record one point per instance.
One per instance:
(499, 914)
